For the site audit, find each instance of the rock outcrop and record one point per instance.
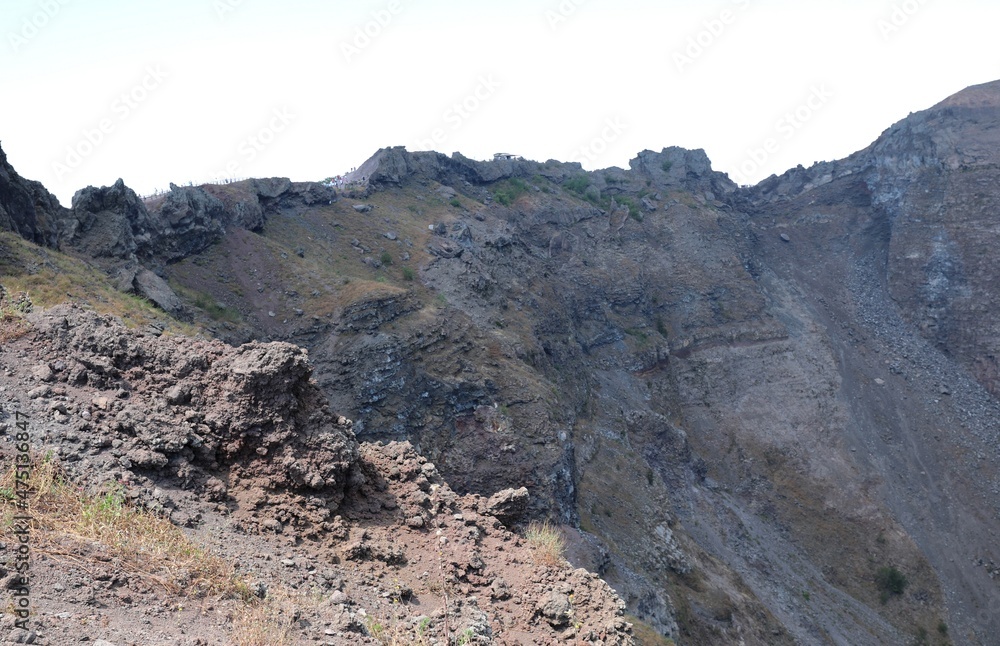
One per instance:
(238, 446)
(27, 208)
(184, 414)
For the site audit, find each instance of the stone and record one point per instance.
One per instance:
(151, 286)
(556, 608)
(509, 505)
(177, 394)
(146, 459)
(43, 372)
(363, 208)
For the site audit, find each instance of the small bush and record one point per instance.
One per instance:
(386, 258)
(666, 166)
(634, 211)
(547, 541)
(455, 202)
(408, 274)
(510, 190)
(890, 581)
(577, 184)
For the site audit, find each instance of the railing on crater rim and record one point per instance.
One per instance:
(218, 181)
(332, 183)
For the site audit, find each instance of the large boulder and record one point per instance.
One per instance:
(151, 286)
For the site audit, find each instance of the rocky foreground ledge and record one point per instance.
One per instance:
(331, 541)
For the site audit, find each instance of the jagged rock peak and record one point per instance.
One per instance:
(392, 166)
(675, 165)
(26, 207)
(110, 221)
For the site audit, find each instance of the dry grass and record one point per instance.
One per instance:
(264, 623)
(51, 277)
(547, 543)
(13, 307)
(645, 635)
(398, 632)
(12, 326)
(70, 522)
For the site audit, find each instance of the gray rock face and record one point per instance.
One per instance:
(110, 221)
(259, 415)
(508, 505)
(154, 288)
(26, 208)
(193, 220)
(681, 167)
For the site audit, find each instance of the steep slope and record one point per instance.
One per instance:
(764, 415)
(617, 342)
(324, 540)
(909, 309)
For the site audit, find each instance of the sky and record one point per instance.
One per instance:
(155, 92)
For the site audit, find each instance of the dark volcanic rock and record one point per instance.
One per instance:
(508, 505)
(154, 288)
(110, 221)
(249, 413)
(193, 220)
(26, 208)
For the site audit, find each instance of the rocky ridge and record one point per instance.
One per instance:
(238, 446)
(740, 403)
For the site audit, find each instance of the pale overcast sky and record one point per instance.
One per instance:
(192, 90)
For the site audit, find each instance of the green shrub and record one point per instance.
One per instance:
(510, 190)
(454, 202)
(386, 258)
(666, 166)
(577, 184)
(890, 581)
(408, 274)
(634, 211)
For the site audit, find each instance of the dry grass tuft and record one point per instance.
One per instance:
(13, 307)
(264, 623)
(52, 277)
(70, 521)
(547, 542)
(399, 632)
